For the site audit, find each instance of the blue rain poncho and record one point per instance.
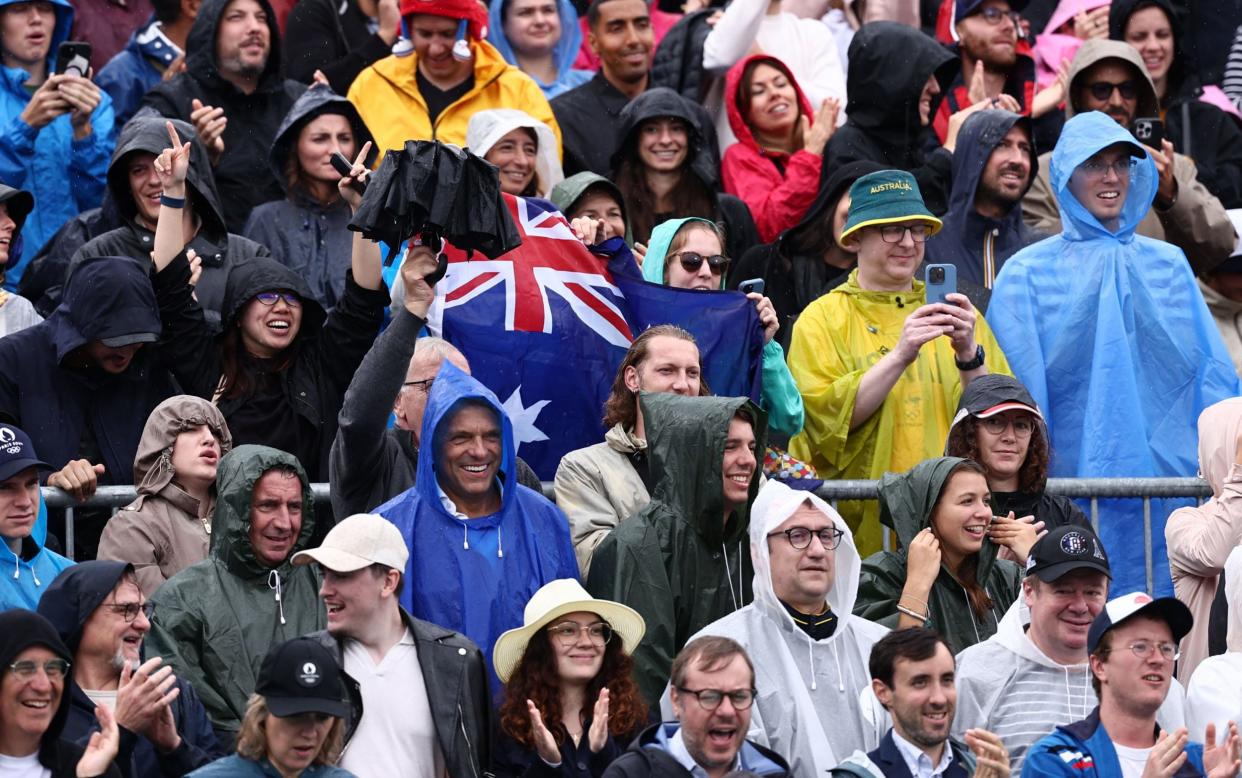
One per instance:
(564, 53)
(1110, 333)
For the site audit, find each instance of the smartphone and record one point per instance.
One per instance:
(941, 282)
(1149, 131)
(73, 57)
(343, 166)
(755, 285)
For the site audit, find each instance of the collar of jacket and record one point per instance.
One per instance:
(1089, 728)
(399, 72)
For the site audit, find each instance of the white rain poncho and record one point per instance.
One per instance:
(486, 128)
(815, 706)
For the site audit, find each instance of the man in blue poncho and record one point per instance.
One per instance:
(1111, 335)
(480, 543)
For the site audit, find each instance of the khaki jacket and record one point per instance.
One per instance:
(159, 534)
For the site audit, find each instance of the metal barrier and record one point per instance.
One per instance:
(1145, 489)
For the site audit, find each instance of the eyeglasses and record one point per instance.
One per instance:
(1144, 649)
(423, 385)
(567, 633)
(1121, 167)
(896, 233)
(691, 261)
(710, 699)
(129, 610)
(1102, 90)
(800, 537)
(993, 15)
(55, 669)
(269, 299)
(996, 425)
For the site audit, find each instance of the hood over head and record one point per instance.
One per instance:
(60, 31)
(1095, 50)
(107, 297)
(486, 128)
(774, 505)
(834, 181)
(316, 101)
(889, 62)
(22, 629)
(77, 592)
(659, 243)
(19, 203)
(566, 194)
(979, 136)
(200, 45)
(1220, 425)
(153, 469)
(1119, 13)
(563, 53)
(1083, 136)
(686, 442)
(236, 476)
(264, 274)
(734, 98)
(660, 103)
(150, 134)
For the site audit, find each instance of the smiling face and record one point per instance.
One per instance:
(107, 638)
(7, 228)
(623, 39)
(702, 240)
(930, 90)
(1008, 171)
(195, 455)
(266, 330)
(774, 111)
(19, 503)
(962, 514)
(993, 44)
(922, 699)
(293, 741)
(1062, 612)
(469, 457)
(144, 186)
(1002, 454)
(663, 144)
(580, 661)
(1148, 30)
(433, 38)
(317, 141)
(275, 516)
(802, 577)
(26, 33)
(356, 599)
(532, 27)
(884, 266)
(515, 155)
(713, 737)
(27, 707)
(1100, 184)
(243, 39)
(599, 203)
(1137, 686)
(740, 461)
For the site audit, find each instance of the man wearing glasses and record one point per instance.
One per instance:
(102, 617)
(712, 692)
(811, 653)
(1133, 647)
(880, 367)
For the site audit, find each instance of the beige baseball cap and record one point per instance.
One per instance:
(356, 542)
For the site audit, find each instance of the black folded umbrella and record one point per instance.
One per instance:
(435, 189)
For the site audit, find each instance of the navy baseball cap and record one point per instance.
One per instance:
(1066, 548)
(1170, 610)
(17, 452)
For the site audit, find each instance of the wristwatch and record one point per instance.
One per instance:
(973, 364)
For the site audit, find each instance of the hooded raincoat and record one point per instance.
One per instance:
(65, 175)
(1199, 539)
(242, 172)
(889, 64)
(33, 568)
(1105, 324)
(16, 312)
(778, 393)
(679, 561)
(563, 53)
(907, 501)
(837, 339)
(486, 128)
(165, 530)
(215, 621)
(310, 238)
(978, 245)
(475, 575)
(808, 707)
(777, 187)
(566, 194)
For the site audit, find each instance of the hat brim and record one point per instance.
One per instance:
(931, 221)
(284, 707)
(1007, 406)
(624, 620)
(334, 559)
(1056, 570)
(128, 340)
(15, 466)
(1171, 611)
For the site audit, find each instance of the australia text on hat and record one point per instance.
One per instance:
(888, 186)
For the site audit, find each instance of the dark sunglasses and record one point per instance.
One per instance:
(1102, 90)
(691, 261)
(270, 298)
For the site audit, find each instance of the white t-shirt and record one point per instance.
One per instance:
(1132, 760)
(396, 735)
(106, 699)
(23, 767)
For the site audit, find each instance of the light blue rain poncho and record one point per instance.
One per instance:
(779, 395)
(565, 52)
(1110, 333)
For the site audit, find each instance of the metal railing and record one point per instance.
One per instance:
(1093, 489)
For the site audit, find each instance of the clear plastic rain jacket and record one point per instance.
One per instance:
(808, 706)
(215, 621)
(1101, 326)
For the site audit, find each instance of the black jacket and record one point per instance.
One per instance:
(332, 37)
(242, 174)
(457, 693)
(889, 64)
(648, 757)
(330, 348)
(511, 759)
(678, 61)
(44, 279)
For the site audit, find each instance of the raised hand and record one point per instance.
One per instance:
(597, 737)
(209, 122)
(419, 263)
(143, 697)
(358, 173)
(990, 753)
(545, 744)
(815, 136)
(1167, 756)
(83, 97)
(45, 104)
(923, 561)
(173, 164)
(767, 315)
(103, 746)
(1221, 760)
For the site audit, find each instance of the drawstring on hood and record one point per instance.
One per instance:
(273, 583)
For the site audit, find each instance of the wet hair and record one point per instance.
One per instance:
(913, 644)
(690, 197)
(535, 678)
(743, 96)
(707, 653)
(967, 576)
(1032, 476)
(252, 739)
(622, 404)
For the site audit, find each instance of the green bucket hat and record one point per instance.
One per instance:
(886, 197)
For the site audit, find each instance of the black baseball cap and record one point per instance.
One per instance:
(301, 676)
(1066, 548)
(17, 452)
(1170, 610)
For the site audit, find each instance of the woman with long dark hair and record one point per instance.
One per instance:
(570, 703)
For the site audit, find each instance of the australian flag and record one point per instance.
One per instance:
(546, 325)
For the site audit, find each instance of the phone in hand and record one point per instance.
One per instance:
(755, 285)
(73, 57)
(343, 166)
(1149, 131)
(941, 282)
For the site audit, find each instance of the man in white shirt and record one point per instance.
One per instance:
(414, 680)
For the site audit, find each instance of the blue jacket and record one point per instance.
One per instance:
(66, 176)
(136, 68)
(33, 570)
(475, 576)
(1084, 750)
(1109, 332)
(240, 767)
(565, 52)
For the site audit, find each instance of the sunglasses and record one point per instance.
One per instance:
(1102, 90)
(270, 298)
(691, 261)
